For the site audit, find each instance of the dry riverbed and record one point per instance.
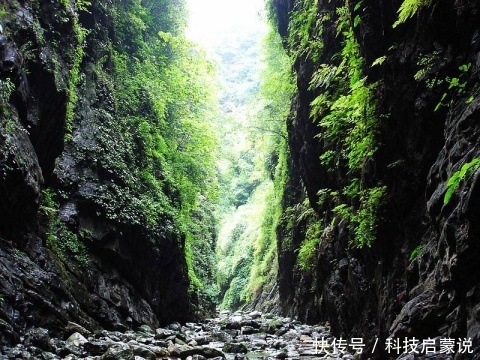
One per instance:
(233, 336)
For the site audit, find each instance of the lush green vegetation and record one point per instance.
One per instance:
(308, 251)
(77, 57)
(140, 116)
(458, 176)
(409, 8)
(6, 89)
(305, 31)
(254, 174)
(62, 240)
(165, 96)
(241, 198)
(416, 252)
(168, 162)
(345, 111)
(274, 106)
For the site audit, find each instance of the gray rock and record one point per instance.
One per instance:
(48, 356)
(68, 349)
(251, 323)
(175, 326)
(236, 325)
(119, 352)
(39, 337)
(202, 340)
(247, 330)
(145, 329)
(161, 334)
(96, 347)
(255, 314)
(210, 352)
(72, 327)
(68, 213)
(235, 348)
(159, 351)
(141, 344)
(143, 351)
(196, 357)
(77, 340)
(181, 350)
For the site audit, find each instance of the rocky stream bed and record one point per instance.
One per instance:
(232, 336)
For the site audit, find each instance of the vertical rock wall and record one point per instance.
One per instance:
(126, 279)
(381, 291)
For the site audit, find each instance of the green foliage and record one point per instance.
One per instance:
(83, 5)
(276, 88)
(166, 15)
(456, 84)
(379, 61)
(265, 255)
(427, 63)
(458, 176)
(3, 13)
(235, 296)
(237, 238)
(452, 86)
(246, 113)
(168, 101)
(65, 243)
(201, 260)
(276, 91)
(409, 8)
(76, 57)
(74, 79)
(346, 112)
(305, 30)
(195, 283)
(416, 252)
(308, 252)
(145, 112)
(256, 172)
(363, 219)
(6, 90)
(138, 121)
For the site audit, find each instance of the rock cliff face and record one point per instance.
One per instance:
(425, 137)
(113, 275)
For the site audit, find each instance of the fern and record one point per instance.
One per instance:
(416, 252)
(408, 9)
(457, 176)
(6, 89)
(363, 221)
(346, 111)
(379, 61)
(83, 5)
(308, 252)
(305, 30)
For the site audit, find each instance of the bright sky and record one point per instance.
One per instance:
(211, 20)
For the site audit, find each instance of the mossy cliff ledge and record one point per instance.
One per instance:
(387, 111)
(89, 209)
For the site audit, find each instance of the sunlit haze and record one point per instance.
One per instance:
(213, 20)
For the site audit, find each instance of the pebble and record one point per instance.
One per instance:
(236, 336)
